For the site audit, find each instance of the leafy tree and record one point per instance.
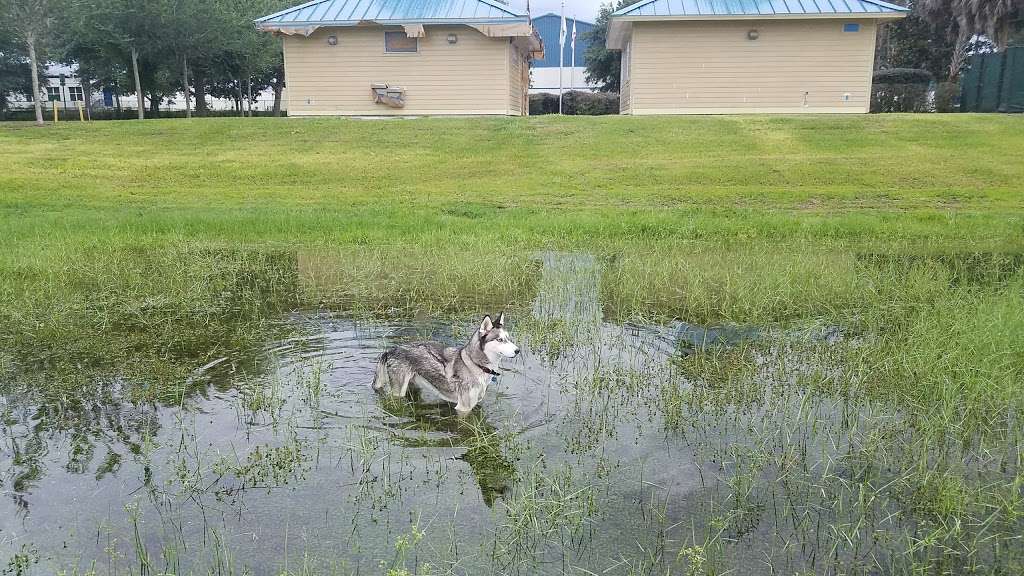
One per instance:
(604, 65)
(918, 42)
(966, 19)
(31, 22)
(115, 32)
(15, 75)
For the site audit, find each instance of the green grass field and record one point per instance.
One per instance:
(149, 248)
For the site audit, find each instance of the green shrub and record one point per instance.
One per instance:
(102, 113)
(947, 97)
(543, 103)
(575, 103)
(900, 90)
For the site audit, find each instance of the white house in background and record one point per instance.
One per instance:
(544, 71)
(61, 84)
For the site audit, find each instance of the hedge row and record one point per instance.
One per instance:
(71, 114)
(575, 103)
(907, 90)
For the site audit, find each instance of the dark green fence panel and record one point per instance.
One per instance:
(994, 82)
(1012, 97)
(969, 83)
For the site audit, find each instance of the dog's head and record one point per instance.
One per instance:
(495, 341)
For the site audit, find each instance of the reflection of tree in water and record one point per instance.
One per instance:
(440, 427)
(87, 419)
(86, 405)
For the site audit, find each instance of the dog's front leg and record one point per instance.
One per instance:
(464, 406)
(404, 388)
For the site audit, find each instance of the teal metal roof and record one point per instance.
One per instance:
(352, 12)
(726, 8)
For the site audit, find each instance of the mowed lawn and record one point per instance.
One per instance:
(816, 165)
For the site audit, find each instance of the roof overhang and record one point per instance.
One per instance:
(307, 28)
(620, 27)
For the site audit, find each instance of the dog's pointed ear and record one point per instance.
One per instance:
(486, 325)
(501, 320)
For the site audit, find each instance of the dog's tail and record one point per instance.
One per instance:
(380, 379)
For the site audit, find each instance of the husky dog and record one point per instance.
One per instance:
(456, 375)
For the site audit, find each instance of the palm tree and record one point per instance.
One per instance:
(993, 18)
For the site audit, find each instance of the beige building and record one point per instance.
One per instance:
(396, 57)
(747, 56)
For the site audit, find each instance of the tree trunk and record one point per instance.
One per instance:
(138, 83)
(881, 46)
(30, 39)
(184, 78)
(117, 100)
(199, 79)
(87, 95)
(278, 89)
(1002, 35)
(238, 89)
(248, 90)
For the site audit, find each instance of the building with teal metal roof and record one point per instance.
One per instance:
(354, 12)
(747, 56)
(405, 57)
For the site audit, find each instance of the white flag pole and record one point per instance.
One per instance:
(572, 69)
(561, 57)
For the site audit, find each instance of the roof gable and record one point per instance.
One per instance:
(727, 8)
(351, 12)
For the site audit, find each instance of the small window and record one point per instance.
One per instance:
(399, 42)
(75, 94)
(851, 27)
(53, 93)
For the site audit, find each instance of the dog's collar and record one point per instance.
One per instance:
(489, 371)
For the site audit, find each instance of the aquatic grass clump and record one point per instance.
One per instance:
(450, 275)
(142, 311)
(957, 364)
(547, 508)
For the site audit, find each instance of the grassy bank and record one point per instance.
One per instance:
(119, 230)
(114, 230)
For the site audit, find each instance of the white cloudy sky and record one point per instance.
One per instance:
(584, 9)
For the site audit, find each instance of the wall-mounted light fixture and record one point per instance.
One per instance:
(452, 38)
(332, 40)
(753, 35)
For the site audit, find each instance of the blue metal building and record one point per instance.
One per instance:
(547, 27)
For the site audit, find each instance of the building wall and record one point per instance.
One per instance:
(625, 79)
(471, 76)
(519, 79)
(711, 67)
(546, 79)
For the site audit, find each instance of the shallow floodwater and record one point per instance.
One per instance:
(596, 451)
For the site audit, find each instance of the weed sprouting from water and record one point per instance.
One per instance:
(546, 509)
